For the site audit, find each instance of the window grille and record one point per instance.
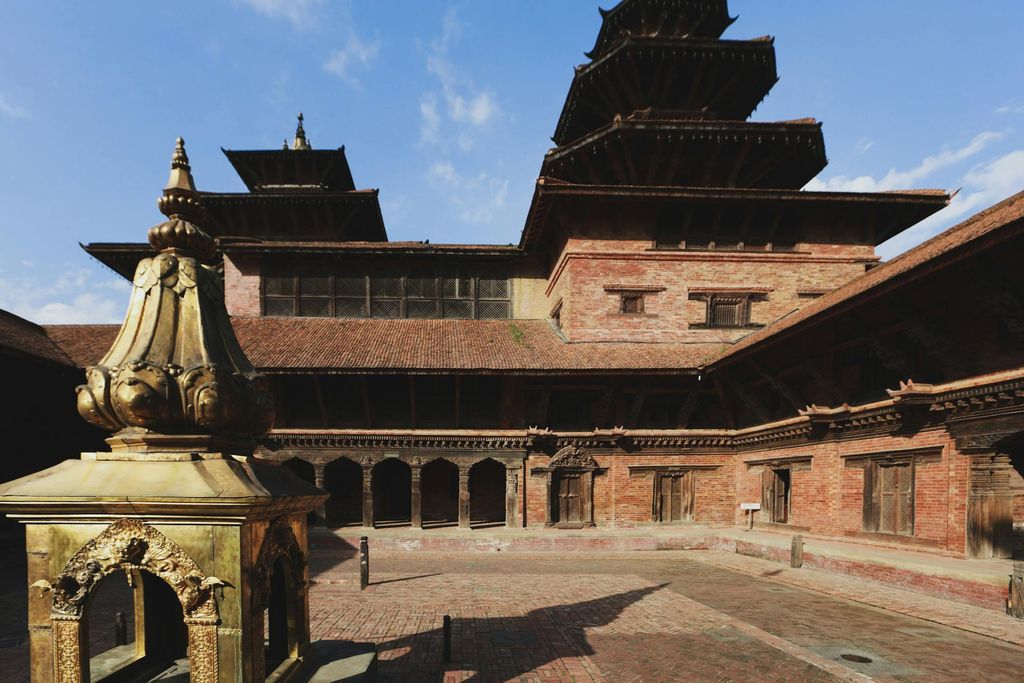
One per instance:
(889, 497)
(727, 311)
(448, 292)
(631, 303)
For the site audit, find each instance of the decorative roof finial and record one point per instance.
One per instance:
(300, 136)
(176, 378)
(181, 204)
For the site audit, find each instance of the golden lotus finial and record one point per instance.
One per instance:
(176, 377)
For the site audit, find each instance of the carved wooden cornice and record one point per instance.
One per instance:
(313, 440)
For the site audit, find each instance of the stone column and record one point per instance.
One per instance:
(416, 501)
(463, 497)
(511, 496)
(320, 480)
(367, 493)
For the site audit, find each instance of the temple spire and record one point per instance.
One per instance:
(176, 378)
(300, 141)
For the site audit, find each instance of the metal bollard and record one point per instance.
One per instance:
(446, 647)
(796, 554)
(364, 562)
(120, 629)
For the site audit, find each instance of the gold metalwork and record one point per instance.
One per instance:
(300, 141)
(130, 544)
(176, 367)
(68, 663)
(202, 650)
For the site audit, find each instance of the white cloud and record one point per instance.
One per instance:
(1009, 109)
(982, 186)
(355, 55)
(467, 108)
(77, 296)
(863, 145)
(301, 13)
(477, 198)
(8, 108)
(895, 180)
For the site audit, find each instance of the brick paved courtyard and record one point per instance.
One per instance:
(666, 616)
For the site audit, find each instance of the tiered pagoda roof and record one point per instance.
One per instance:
(660, 115)
(297, 194)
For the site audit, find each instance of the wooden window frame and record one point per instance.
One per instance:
(871, 463)
(637, 297)
(441, 272)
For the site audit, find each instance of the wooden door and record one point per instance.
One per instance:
(570, 505)
(780, 511)
(675, 497)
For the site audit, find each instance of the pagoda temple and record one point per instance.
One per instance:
(680, 329)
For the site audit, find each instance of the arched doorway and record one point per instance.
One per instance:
(279, 619)
(392, 493)
(135, 628)
(306, 472)
(487, 493)
(439, 484)
(344, 481)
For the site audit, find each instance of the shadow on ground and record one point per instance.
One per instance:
(504, 648)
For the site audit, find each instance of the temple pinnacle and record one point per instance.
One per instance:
(300, 141)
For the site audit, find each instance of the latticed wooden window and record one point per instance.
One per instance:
(728, 311)
(889, 497)
(631, 303)
(422, 292)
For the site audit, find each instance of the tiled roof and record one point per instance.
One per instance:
(346, 345)
(24, 337)
(958, 240)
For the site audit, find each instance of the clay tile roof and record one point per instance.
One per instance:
(958, 240)
(292, 345)
(83, 344)
(21, 336)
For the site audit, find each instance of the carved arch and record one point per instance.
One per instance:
(131, 544)
(279, 541)
(572, 456)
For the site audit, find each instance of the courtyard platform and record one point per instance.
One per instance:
(983, 583)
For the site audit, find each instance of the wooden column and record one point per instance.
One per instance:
(463, 496)
(321, 483)
(511, 496)
(367, 493)
(549, 519)
(587, 497)
(416, 500)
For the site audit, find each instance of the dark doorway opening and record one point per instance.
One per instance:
(487, 493)
(567, 501)
(136, 630)
(344, 481)
(278, 620)
(439, 486)
(392, 493)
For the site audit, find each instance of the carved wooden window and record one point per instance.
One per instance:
(631, 303)
(889, 496)
(728, 311)
(348, 291)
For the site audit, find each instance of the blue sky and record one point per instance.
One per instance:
(447, 107)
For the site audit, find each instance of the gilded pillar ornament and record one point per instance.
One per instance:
(176, 368)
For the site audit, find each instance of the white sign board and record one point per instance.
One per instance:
(750, 506)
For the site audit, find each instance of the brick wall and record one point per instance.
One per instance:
(622, 500)
(591, 313)
(242, 286)
(828, 498)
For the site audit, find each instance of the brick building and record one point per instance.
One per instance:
(680, 329)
